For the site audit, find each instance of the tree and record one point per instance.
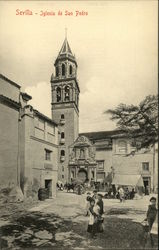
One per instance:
(138, 122)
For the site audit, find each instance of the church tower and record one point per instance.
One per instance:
(65, 104)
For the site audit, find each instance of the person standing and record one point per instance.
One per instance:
(101, 212)
(100, 204)
(93, 214)
(88, 203)
(94, 194)
(150, 218)
(121, 194)
(132, 194)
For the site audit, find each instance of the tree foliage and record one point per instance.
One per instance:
(138, 122)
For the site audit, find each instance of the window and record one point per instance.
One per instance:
(67, 93)
(100, 175)
(62, 152)
(62, 135)
(100, 165)
(58, 94)
(145, 166)
(57, 71)
(62, 168)
(62, 176)
(122, 147)
(70, 70)
(47, 155)
(63, 69)
(62, 116)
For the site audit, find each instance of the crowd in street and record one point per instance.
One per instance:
(121, 193)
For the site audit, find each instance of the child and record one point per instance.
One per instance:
(92, 225)
(121, 194)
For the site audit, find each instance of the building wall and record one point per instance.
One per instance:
(106, 156)
(38, 136)
(126, 163)
(9, 115)
(8, 146)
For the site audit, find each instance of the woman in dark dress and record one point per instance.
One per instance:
(92, 225)
(100, 219)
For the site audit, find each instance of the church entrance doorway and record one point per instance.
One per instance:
(82, 175)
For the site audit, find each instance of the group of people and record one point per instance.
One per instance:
(121, 193)
(125, 194)
(95, 211)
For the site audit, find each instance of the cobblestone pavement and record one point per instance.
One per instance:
(61, 224)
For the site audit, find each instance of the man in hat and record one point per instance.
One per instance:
(94, 194)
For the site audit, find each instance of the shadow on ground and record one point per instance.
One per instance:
(36, 230)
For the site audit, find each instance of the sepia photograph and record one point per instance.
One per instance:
(79, 124)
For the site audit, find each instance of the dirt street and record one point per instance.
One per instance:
(61, 224)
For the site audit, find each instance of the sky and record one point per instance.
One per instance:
(115, 45)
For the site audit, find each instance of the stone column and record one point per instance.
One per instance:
(95, 173)
(69, 173)
(75, 171)
(89, 173)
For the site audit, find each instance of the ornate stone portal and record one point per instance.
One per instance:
(82, 163)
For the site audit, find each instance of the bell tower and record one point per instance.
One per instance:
(65, 104)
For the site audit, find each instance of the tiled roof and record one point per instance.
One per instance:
(11, 82)
(66, 53)
(45, 117)
(102, 134)
(65, 48)
(9, 101)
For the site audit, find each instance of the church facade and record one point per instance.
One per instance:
(92, 156)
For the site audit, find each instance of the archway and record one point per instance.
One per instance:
(82, 175)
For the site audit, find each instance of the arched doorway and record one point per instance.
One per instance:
(82, 175)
